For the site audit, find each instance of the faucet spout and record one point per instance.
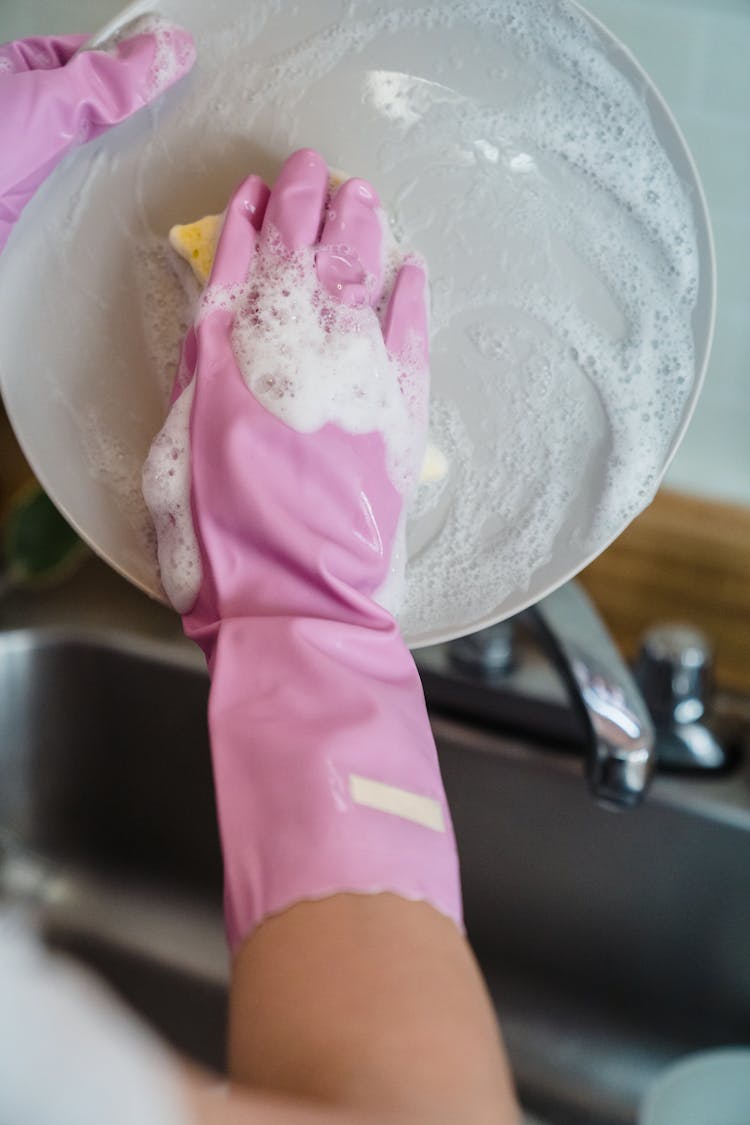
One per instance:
(621, 754)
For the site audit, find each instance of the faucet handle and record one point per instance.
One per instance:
(621, 755)
(674, 670)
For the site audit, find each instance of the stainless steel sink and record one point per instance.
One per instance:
(107, 824)
(612, 943)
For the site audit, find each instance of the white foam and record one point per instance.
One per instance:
(113, 463)
(311, 360)
(166, 490)
(168, 295)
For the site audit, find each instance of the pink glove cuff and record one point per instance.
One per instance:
(311, 806)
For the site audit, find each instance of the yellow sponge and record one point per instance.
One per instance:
(196, 243)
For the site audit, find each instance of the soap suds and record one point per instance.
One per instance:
(166, 490)
(311, 360)
(111, 462)
(169, 294)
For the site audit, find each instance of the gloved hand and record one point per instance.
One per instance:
(53, 99)
(325, 768)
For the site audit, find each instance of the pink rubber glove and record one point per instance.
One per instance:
(53, 99)
(326, 772)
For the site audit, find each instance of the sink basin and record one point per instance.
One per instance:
(612, 943)
(107, 824)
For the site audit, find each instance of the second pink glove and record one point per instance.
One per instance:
(54, 96)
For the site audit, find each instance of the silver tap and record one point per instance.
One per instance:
(552, 674)
(621, 755)
(674, 672)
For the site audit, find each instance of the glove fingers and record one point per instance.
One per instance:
(40, 53)
(405, 325)
(298, 198)
(102, 88)
(239, 234)
(349, 262)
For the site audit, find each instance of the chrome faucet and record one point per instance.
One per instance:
(621, 754)
(482, 677)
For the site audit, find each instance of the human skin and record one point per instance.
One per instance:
(361, 1009)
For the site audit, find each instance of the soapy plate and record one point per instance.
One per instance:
(517, 146)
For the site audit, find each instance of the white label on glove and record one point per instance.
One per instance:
(400, 802)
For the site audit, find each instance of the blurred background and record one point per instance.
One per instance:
(697, 53)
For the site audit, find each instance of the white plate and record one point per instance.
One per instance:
(510, 143)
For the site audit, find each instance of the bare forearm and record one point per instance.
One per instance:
(237, 1105)
(368, 1004)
